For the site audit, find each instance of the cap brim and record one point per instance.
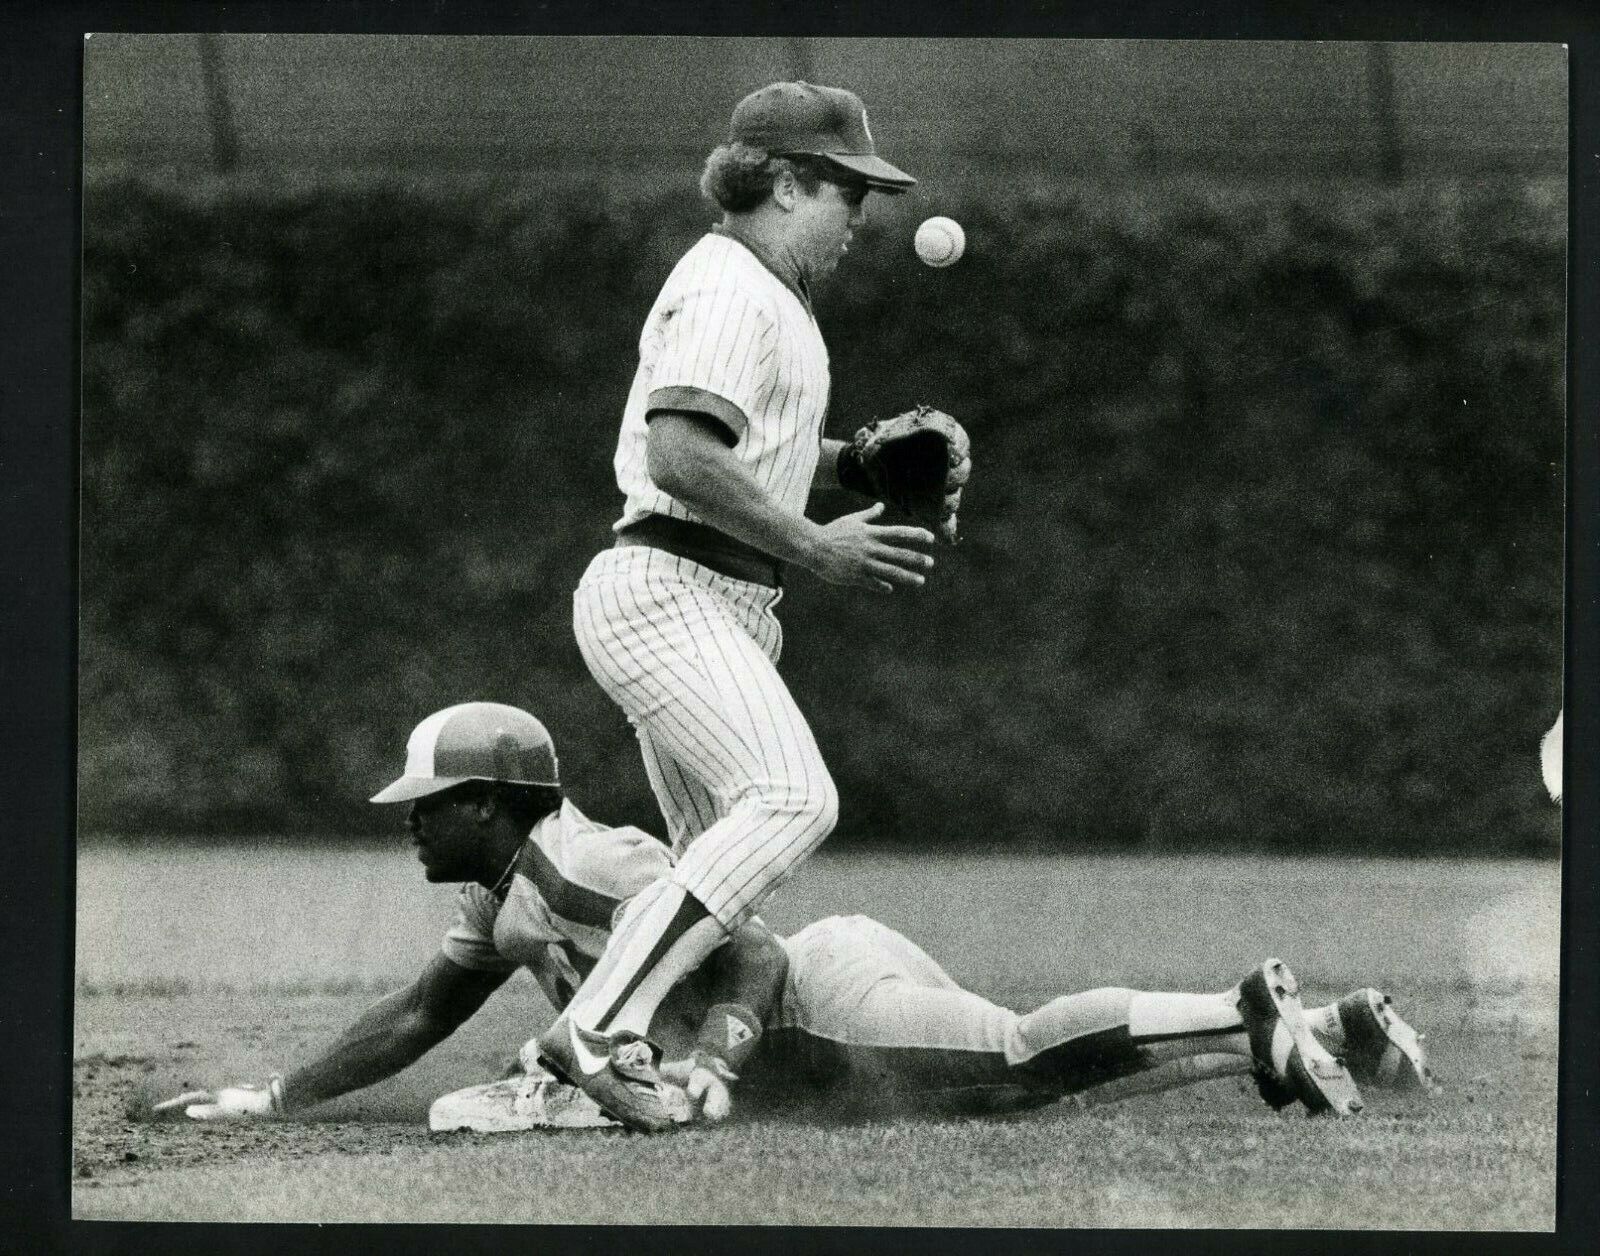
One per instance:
(409, 787)
(879, 174)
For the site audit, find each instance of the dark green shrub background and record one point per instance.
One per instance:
(1263, 545)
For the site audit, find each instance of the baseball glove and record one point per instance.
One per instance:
(915, 462)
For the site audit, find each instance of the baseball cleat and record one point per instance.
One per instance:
(617, 1072)
(1379, 1047)
(1290, 1063)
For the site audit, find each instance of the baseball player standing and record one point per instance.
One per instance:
(721, 444)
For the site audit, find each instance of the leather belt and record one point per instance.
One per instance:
(703, 544)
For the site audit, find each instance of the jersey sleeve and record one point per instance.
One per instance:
(716, 356)
(618, 863)
(469, 941)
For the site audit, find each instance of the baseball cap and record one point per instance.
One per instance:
(830, 122)
(473, 741)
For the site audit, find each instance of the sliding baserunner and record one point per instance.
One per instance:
(845, 1004)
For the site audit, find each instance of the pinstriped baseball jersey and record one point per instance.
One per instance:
(729, 338)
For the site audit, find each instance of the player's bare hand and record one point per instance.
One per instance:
(855, 551)
(706, 1081)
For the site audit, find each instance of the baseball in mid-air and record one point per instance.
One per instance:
(941, 241)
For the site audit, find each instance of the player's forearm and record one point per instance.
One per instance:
(737, 505)
(385, 1039)
(705, 477)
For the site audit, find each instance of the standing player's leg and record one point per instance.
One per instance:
(894, 1019)
(693, 667)
(687, 806)
(691, 662)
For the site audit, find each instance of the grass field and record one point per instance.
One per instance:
(208, 966)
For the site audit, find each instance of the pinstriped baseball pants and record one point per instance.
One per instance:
(690, 656)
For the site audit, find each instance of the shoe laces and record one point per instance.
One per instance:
(634, 1059)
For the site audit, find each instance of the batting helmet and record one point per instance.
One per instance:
(474, 741)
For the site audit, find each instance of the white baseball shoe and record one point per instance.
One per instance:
(532, 1101)
(1380, 1048)
(1290, 1063)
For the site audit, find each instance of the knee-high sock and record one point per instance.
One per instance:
(1189, 1068)
(664, 936)
(1325, 1023)
(1172, 1026)
(1085, 1040)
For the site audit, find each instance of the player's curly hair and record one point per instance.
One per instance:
(738, 177)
